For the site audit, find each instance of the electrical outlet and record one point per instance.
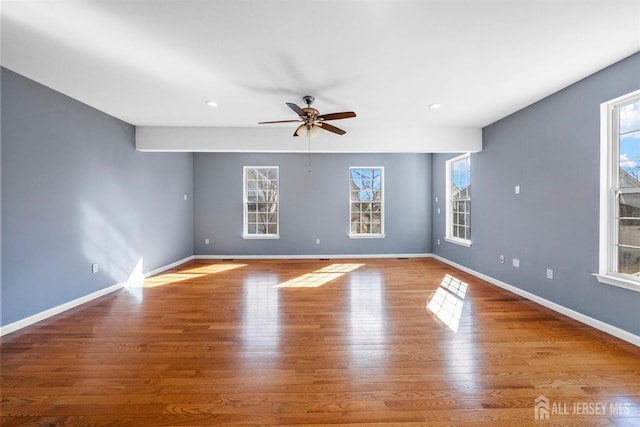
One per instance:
(206, 241)
(517, 189)
(549, 274)
(317, 241)
(516, 263)
(501, 258)
(438, 241)
(94, 268)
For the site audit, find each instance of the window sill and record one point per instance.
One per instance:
(366, 236)
(620, 282)
(456, 241)
(260, 236)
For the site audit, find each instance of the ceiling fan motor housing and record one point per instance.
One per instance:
(311, 113)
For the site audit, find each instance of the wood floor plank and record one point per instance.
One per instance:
(373, 342)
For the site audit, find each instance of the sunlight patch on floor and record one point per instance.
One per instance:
(320, 276)
(448, 300)
(214, 268)
(166, 279)
(190, 274)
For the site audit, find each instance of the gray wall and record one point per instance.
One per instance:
(312, 205)
(550, 149)
(75, 192)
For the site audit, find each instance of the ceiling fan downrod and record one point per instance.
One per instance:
(308, 99)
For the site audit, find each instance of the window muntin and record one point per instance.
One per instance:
(458, 220)
(261, 202)
(366, 202)
(620, 193)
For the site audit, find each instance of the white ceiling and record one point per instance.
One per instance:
(155, 62)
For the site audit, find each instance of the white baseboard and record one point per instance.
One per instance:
(316, 256)
(38, 317)
(590, 321)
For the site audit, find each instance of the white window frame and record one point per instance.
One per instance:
(449, 236)
(245, 203)
(609, 176)
(380, 235)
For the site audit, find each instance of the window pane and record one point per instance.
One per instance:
(629, 232)
(630, 118)
(251, 174)
(629, 205)
(629, 163)
(628, 260)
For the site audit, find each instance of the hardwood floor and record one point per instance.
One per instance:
(375, 342)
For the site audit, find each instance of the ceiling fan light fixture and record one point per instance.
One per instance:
(308, 130)
(314, 131)
(302, 131)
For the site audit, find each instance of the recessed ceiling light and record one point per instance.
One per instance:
(435, 106)
(211, 103)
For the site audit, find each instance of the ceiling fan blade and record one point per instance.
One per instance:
(299, 111)
(337, 116)
(331, 128)
(279, 121)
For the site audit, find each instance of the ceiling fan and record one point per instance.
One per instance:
(312, 120)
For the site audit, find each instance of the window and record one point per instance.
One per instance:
(620, 192)
(366, 203)
(459, 200)
(261, 202)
